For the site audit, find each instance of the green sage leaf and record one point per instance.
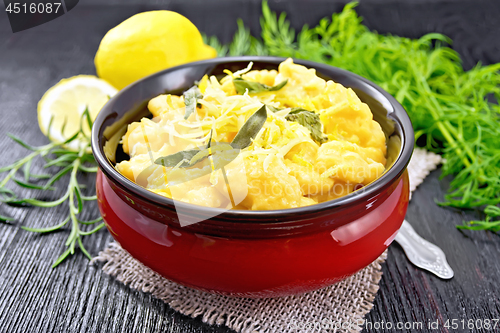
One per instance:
(210, 139)
(191, 97)
(250, 129)
(309, 120)
(209, 150)
(242, 85)
(221, 156)
(272, 108)
(173, 159)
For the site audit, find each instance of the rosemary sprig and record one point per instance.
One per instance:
(454, 112)
(69, 162)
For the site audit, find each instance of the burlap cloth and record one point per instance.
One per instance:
(338, 308)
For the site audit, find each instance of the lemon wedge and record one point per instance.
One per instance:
(65, 103)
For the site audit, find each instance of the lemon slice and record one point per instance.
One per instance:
(66, 102)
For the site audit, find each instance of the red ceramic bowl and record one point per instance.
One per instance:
(251, 253)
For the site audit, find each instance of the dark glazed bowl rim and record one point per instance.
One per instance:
(395, 111)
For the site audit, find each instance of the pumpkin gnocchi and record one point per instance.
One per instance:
(318, 142)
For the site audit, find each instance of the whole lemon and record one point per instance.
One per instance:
(147, 43)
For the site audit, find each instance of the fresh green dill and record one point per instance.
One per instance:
(69, 162)
(488, 224)
(243, 43)
(454, 112)
(216, 44)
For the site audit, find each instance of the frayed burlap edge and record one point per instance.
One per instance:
(346, 302)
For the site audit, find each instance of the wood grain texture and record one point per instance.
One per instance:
(77, 297)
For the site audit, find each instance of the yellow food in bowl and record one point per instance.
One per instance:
(289, 163)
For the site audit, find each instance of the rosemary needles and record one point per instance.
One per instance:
(69, 162)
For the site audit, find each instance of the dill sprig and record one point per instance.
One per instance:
(454, 112)
(488, 223)
(55, 154)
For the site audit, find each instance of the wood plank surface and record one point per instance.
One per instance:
(76, 297)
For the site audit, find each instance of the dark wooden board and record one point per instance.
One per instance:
(77, 297)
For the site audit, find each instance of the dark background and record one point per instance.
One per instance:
(76, 297)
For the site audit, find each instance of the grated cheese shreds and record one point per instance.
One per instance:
(284, 167)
